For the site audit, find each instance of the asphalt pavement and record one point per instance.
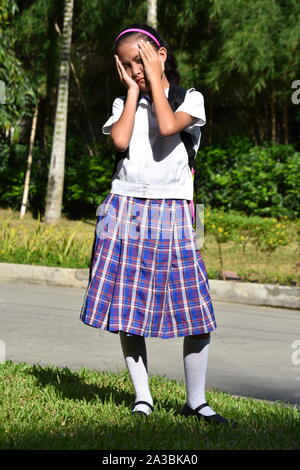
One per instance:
(255, 351)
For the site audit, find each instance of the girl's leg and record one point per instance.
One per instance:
(195, 358)
(135, 355)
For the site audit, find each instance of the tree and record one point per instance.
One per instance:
(57, 163)
(152, 13)
(259, 55)
(29, 163)
(18, 91)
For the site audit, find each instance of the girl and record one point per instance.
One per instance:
(146, 276)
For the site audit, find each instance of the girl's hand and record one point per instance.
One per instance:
(153, 64)
(124, 77)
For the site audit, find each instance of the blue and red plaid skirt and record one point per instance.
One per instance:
(146, 276)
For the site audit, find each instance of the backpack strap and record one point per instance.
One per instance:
(175, 98)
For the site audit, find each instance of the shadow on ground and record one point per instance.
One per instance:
(107, 424)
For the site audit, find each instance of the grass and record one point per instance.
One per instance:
(49, 408)
(69, 245)
(282, 267)
(29, 241)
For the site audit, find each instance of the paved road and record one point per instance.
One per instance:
(250, 352)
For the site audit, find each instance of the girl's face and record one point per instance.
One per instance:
(129, 56)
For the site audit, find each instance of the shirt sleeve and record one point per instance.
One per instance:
(193, 105)
(117, 109)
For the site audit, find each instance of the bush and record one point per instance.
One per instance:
(12, 176)
(87, 178)
(258, 180)
(265, 233)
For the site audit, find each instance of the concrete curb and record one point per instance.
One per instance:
(67, 277)
(268, 402)
(272, 295)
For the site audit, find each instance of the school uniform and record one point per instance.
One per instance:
(146, 276)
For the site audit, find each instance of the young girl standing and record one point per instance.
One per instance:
(146, 276)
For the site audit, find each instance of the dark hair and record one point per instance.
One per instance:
(171, 70)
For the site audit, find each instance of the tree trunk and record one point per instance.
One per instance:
(57, 163)
(152, 13)
(286, 123)
(260, 128)
(45, 107)
(77, 81)
(273, 116)
(29, 163)
(253, 126)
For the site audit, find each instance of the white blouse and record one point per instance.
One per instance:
(157, 167)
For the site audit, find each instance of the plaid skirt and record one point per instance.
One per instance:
(146, 276)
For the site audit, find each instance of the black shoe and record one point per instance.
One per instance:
(213, 419)
(141, 412)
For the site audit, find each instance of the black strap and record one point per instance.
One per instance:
(200, 407)
(119, 156)
(143, 403)
(176, 97)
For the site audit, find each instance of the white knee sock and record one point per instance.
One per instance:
(195, 358)
(135, 355)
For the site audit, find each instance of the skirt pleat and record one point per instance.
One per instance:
(146, 276)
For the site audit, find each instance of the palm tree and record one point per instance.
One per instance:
(57, 163)
(152, 15)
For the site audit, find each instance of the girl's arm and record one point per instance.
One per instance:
(122, 129)
(169, 123)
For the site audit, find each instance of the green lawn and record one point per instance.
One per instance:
(53, 408)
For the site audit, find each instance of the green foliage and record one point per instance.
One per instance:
(66, 246)
(224, 226)
(269, 234)
(259, 180)
(239, 54)
(254, 180)
(12, 173)
(253, 40)
(110, 17)
(87, 178)
(18, 91)
(265, 233)
(242, 55)
(266, 248)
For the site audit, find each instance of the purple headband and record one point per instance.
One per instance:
(139, 31)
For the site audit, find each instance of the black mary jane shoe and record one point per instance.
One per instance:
(213, 419)
(141, 412)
